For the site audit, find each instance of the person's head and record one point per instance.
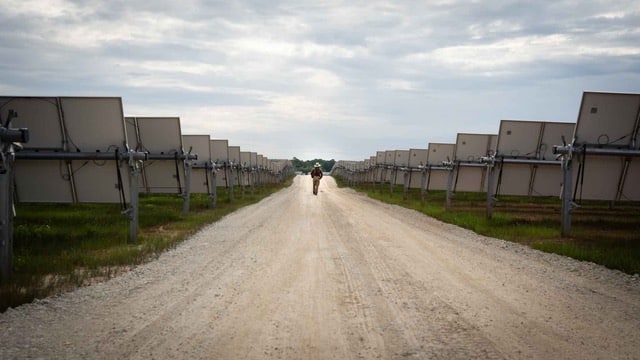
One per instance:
(317, 165)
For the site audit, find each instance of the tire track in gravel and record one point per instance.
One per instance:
(422, 325)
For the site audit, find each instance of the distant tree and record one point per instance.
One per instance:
(305, 166)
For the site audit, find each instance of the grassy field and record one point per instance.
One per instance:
(600, 233)
(58, 247)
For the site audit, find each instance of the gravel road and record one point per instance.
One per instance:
(338, 276)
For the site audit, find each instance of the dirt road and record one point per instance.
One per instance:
(338, 276)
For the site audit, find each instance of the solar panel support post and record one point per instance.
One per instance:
(8, 137)
(490, 163)
(566, 154)
(186, 195)
(423, 183)
(213, 195)
(6, 218)
(392, 179)
(406, 173)
(252, 179)
(230, 181)
(450, 167)
(135, 168)
(566, 195)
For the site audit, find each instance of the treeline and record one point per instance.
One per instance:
(305, 166)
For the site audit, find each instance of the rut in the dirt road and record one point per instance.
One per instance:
(337, 276)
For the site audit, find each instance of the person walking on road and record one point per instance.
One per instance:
(316, 175)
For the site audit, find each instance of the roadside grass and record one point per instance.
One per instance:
(600, 233)
(58, 247)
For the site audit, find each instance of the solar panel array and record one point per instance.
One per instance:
(83, 150)
(60, 126)
(603, 145)
(77, 125)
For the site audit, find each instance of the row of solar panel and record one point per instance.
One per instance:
(524, 159)
(97, 125)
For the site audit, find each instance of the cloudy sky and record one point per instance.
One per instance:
(325, 79)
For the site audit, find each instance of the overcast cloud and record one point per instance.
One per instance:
(325, 79)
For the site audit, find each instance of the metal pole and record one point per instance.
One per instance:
(188, 164)
(490, 167)
(423, 185)
(230, 182)
(566, 195)
(6, 219)
(214, 189)
(252, 180)
(132, 211)
(449, 188)
(392, 179)
(8, 136)
(406, 175)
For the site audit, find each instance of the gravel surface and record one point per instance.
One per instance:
(338, 276)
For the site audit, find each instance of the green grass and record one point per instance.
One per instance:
(58, 247)
(600, 233)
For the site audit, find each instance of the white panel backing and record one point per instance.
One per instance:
(200, 145)
(470, 179)
(390, 157)
(440, 152)
(161, 135)
(553, 133)
(514, 179)
(38, 114)
(547, 181)
(418, 157)
(200, 177)
(234, 154)
(631, 189)
(472, 147)
(607, 119)
(42, 181)
(380, 157)
(219, 151)
(437, 180)
(91, 124)
(245, 158)
(402, 158)
(601, 176)
(519, 139)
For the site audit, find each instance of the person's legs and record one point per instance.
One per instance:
(316, 184)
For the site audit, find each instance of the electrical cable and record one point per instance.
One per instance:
(455, 184)
(499, 184)
(177, 172)
(123, 200)
(206, 179)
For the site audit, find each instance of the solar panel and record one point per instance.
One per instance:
(470, 149)
(608, 121)
(530, 142)
(439, 153)
(69, 125)
(158, 136)
(417, 158)
(200, 173)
